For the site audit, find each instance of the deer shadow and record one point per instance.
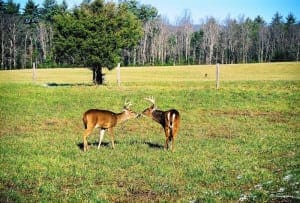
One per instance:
(94, 144)
(154, 145)
(106, 144)
(54, 84)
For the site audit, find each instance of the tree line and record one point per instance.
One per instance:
(100, 34)
(241, 40)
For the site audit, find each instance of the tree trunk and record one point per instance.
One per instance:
(25, 51)
(14, 46)
(31, 50)
(98, 76)
(297, 55)
(10, 54)
(42, 35)
(2, 49)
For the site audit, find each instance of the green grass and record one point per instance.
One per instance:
(238, 142)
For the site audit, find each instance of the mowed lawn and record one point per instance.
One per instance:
(238, 143)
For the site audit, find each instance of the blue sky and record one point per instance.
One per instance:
(220, 9)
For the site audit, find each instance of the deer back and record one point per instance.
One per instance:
(159, 116)
(100, 118)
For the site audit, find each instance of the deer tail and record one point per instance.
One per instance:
(84, 121)
(171, 119)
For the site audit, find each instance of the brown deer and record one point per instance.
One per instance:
(169, 120)
(104, 120)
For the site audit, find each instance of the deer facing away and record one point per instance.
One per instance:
(104, 120)
(169, 120)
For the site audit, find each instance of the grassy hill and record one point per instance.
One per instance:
(238, 143)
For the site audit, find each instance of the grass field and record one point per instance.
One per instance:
(238, 143)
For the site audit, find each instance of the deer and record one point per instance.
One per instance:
(104, 120)
(169, 120)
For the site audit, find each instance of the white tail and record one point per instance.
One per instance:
(169, 120)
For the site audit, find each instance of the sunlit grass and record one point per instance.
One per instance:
(183, 75)
(240, 142)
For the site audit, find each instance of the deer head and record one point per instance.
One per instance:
(128, 111)
(148, 111)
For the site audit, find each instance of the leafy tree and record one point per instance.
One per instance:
(51, 8)
(94, 34)
(142, 11)
(148, 15)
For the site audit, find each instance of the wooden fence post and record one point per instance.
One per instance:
(217, 75)
(33, 71)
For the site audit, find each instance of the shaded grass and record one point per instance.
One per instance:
(241, 141)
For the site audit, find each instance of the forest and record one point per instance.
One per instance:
(134, 34)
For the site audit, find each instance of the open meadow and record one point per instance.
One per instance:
(239, 143)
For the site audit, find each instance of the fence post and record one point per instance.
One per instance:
(33, 71)
(217, 75)
(118, 75)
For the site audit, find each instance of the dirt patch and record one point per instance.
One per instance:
(136, 192)
(271, 116)
(55, 124)
(221, 132)
(141, 195)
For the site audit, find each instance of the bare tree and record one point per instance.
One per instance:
(186, 30)
(211, 35)
(9, 40)
(245, 37)
(42, 31)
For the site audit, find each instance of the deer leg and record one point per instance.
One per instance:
(111, 132)
(172, 147)
(166, 144)
(174, 134)
(87, 132)
(167, 132)
(101, 135)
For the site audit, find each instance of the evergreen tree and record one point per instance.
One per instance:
(94, 35)
(50, 9)
(2, 7)
(143, 12)
(291, 37)
(277, 37)
(63, 6)
(31, 12)
(12, 8)
(290, 19)
(31, 15)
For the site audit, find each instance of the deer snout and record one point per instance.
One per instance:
(139, 115)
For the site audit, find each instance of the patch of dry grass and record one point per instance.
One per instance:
(160, 75)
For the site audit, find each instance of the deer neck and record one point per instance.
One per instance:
(121, 117)
(159, 116)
